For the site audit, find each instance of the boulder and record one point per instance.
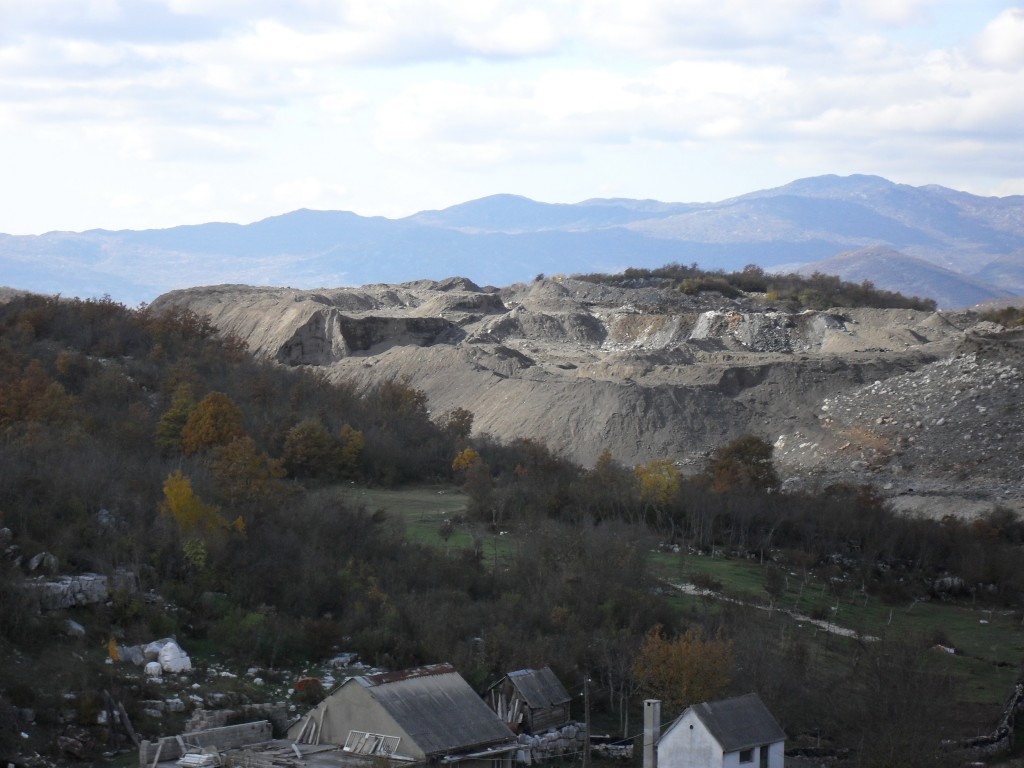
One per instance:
(152, 650)
(132, 654)
(73, 628)
(43, 562)
(173, 659)
(153, 669)
(68, 591)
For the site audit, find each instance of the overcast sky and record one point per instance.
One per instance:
(152, 113)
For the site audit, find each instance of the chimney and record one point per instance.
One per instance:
(652, 732)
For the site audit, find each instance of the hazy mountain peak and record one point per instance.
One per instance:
(506, 238)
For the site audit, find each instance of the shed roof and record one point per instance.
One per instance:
(740, 722)
(437, 708)
(540, 688)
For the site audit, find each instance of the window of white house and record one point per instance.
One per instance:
(746, 755)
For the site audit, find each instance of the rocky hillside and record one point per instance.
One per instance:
(922, 404)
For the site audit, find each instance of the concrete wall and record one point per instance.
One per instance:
(228, 737)
(350, 708)
(687, 744)
(776, 757)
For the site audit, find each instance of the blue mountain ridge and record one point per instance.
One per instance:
(502, 239)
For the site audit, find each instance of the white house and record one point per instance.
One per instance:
(732, 733)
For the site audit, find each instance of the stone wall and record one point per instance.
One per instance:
(569, 740)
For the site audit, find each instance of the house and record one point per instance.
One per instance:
(732, 733)
(424, 715)
(530, 700)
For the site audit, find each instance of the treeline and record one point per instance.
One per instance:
(790, 291)
(845, 534)
(1011, 317)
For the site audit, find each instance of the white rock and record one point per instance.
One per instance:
(173, 659)
(73, 628)
(152, 650)
(153, 669)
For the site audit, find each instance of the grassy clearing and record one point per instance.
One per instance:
(423, 511)
(989, 643)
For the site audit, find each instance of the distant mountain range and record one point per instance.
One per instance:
(957, 248)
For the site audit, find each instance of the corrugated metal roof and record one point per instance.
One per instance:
(438, 709)
(382, 678)
(739, 723)
(540, 688)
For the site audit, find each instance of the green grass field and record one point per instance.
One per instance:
(989, 643)
(424, 509)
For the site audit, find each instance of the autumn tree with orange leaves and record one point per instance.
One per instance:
(682, 671)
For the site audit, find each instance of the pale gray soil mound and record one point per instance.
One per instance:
(846, 395)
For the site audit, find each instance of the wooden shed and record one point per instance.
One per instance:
(530, 700)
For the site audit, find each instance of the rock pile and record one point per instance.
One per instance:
(157, 657)
(566, 741)
(957, 420)
(649, 372)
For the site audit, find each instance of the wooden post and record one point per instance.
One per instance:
(586, 707)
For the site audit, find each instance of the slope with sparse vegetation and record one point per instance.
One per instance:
(231, 490)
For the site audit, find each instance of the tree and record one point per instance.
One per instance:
(350, 447)
(690, 669)
(172, 421)
(243, 474)
(186, 508)
(466, 459)
(609, 490)
(215, 421)
(311, 451)
(659, 481)
(659, 484)
(308, 449)
(457, 423)
(743, 464)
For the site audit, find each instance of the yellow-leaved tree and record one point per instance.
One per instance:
(686, 670)
(192, 514)
(659, 482)
(467, 458)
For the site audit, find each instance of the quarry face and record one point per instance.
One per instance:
(925, 406)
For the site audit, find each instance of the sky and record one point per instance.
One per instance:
(133, 114)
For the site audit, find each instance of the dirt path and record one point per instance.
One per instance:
(827, 626)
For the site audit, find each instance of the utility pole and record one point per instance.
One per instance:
(586, 707)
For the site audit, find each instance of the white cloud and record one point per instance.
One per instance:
(308, 192)
(662, 29)
(892, 12)
(1001, 43)
(201, 194)
(415, 103)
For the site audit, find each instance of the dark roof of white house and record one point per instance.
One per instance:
(540, 688)
(739, 723)
(437, 708)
